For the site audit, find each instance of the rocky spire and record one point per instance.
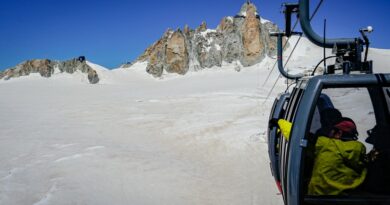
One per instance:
(176, 53)
(244, 9)
(251, 37)
(186, 29)
(202, 27)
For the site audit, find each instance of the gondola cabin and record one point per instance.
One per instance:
(314, 162)
(363, 98)
(278, 111)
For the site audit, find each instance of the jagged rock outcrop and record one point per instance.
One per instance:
(156, 55)
(126, 65)
(46, 68)
(93, 77)
(187, 30)
(270, 42)
(251, 38)
(242, 39)
(176, 53)
(202, 27)
(232, 48)
(208, 48)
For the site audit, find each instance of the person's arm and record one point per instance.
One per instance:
(285, 126)
(353, 154)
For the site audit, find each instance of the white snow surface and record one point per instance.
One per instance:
(134, 139)
(207, 31)
(263, 21)
(230, 18)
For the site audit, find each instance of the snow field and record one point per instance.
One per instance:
(133, 139)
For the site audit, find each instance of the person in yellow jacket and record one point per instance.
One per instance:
(338, 166)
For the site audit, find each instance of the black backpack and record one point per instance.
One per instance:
(378, 161)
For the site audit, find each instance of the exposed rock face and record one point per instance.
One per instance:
(47, 67)
(208, 48)
(93, 76)
(270, 42)
(202, 27)
(156, 56)
(232, 48)
(176, 54)
(126, 65)
(187, 30)
(44, 67)
(242, 39)
(251, 38)
(244, 10)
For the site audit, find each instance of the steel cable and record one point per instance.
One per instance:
(292, 52)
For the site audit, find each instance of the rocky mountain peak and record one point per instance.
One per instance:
(186, 30)
(202, 27)
(226, 25)
(251, 37)
(247, 8)
(251, 11)
(46, 68)
(242, 39)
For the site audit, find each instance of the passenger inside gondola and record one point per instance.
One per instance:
(338, 160)
(327, 118)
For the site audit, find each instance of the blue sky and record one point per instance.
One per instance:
(113, 32)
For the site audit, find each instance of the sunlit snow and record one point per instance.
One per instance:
(134, 139)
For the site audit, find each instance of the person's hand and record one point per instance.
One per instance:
(372, 156)
(273, 123)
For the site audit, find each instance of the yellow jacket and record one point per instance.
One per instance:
(285, 127)
(338, 165)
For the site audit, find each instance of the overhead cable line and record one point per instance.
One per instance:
(292, 52)
(276, 61)
(288, 39)
(288, 60)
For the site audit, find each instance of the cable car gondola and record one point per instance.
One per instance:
(355, 91)
(278, 110)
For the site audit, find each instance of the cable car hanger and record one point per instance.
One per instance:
(348, 51)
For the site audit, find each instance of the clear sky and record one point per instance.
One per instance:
(111, 32)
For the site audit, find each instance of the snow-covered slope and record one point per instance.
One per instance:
(381, 58)
(134, 139)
